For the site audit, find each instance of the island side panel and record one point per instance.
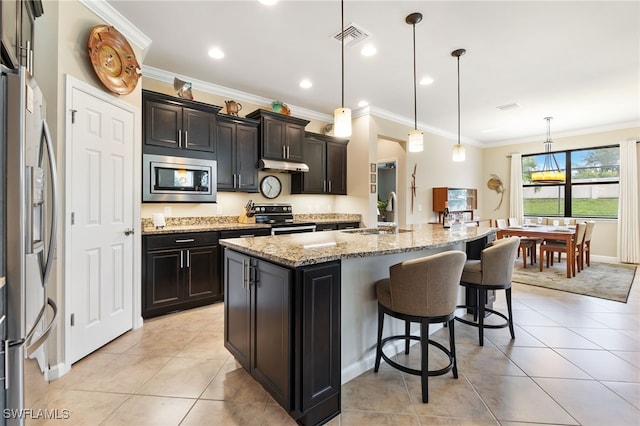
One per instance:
(359, 311)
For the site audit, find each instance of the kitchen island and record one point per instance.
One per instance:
(301, 311)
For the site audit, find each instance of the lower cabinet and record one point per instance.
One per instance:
(336, 226)
(180, 271)
(283, 326)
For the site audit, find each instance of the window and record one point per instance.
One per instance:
(591, 188)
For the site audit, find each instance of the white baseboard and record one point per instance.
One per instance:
(604, 259)
(56, 371)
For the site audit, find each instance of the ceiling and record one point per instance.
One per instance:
(578, 62)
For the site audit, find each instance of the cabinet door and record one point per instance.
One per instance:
(337, 168)
(271, 322)
(162, 281)
(202, 280)
(318, 340)
(315, 180)
(162, 124)
(10, 32)
(237, 307)
(273, 139)
(440, 196)
(226, 135)
(247, 158)
(198, 130)
(294, 142)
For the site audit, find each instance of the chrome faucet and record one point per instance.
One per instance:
(392, 209)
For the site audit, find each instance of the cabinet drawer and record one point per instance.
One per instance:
(191, 239)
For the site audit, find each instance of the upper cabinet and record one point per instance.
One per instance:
(178, 124)
(237, 154)
(17, 18)
(326, 157)
(281, 136)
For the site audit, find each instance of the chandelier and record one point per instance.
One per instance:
(550, 171)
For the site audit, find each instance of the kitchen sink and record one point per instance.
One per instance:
(375, 231)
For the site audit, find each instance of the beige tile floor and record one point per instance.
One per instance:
(575, 361)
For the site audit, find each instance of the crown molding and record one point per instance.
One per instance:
(167, 77)
(107, 13)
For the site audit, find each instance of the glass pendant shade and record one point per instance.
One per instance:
(550, 172)
(459, 153)
(416, 141)
(342, 122)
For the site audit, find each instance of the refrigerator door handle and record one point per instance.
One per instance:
(54, 203)
(31, 347)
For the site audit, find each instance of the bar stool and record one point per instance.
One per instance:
(425, 291)
(492, 272)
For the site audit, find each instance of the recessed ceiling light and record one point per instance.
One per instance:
(268, 2)
(425, 81)
(363, 104)
(306, 83)
(368, 50)
(216, 53)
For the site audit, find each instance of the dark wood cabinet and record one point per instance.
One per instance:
(283, 326)
(317, 343)
(237, 154)
(180, 271)
(17, 18)
(281, 136)
(326, 157)
(178, 124)
(258, 321)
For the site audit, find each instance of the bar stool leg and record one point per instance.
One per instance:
(379, 345)
(482, 300)
(424, 344)
(452, 348)
(407, 333)
(509, 310)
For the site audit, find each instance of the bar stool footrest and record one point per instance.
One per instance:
(413, 371)
(485, 325)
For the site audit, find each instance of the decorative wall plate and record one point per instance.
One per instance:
(113, 59)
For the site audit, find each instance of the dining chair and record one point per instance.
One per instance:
(528, 245)
(548, 247)
(586, 248)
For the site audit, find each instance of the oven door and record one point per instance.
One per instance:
(292, 229)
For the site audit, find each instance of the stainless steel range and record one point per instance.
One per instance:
(280, 217)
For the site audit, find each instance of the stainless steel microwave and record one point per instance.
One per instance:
(178, 179)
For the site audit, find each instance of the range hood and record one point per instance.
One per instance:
(282, 166)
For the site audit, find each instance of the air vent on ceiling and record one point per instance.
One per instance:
(507, 107)
(353, 34)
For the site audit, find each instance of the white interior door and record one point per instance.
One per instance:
(101, 180)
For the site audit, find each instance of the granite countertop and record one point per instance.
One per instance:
(226, 223)
(296, 250)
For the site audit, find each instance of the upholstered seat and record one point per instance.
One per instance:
(492, 272)
(424, 291)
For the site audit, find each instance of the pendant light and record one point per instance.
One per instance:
(550, 170)
(342, 115)
(458, 150)
(416, 141)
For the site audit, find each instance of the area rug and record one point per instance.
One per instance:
(610, 281)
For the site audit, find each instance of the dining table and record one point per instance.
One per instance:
(546, 232)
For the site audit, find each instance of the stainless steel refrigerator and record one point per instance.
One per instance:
(28, 199)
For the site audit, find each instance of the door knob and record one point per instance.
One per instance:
(128, 231)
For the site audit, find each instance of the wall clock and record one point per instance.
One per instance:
(270, 186)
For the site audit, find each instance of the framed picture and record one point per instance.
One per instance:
(373, 167)
(373, 178)
(373, 189)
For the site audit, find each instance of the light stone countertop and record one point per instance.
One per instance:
(303, 249)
